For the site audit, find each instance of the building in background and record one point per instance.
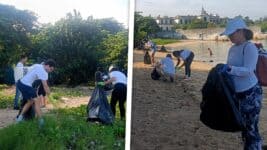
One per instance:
(167, 23)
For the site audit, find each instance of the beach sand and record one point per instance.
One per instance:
(165, 115)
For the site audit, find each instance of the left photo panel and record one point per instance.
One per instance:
(63, 74)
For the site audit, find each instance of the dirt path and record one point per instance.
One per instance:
(166, 115)
(7, 116)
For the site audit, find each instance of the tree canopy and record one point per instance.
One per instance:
(16, 26)
(144, 27)
(77, 45)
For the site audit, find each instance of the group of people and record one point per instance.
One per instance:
(24, 85)
(21, 70)
(32, 87)
(166, 68)
(241, 65)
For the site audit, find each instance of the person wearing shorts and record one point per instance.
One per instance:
(39, 71)
(37, 84)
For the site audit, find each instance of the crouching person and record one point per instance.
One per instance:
(166, 68)
(39, 71)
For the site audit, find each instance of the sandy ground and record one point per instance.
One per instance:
(166, 115)
(8, 115)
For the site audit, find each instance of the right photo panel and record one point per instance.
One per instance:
(199, 75)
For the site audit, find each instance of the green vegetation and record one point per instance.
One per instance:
(64, 129)
(264, 26)
(160, 41)
(6, 101)
(69, 92)
(76, 44)
(144, 27)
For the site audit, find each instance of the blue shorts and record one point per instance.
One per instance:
(28, 93)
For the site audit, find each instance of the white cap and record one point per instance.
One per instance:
(233, 25)
(111, 67)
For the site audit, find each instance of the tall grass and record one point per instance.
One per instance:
(64, 129)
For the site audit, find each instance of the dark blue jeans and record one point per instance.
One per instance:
(188, 62)
(250, 106)
(17, 96)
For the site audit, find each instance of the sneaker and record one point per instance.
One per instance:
(188, 78)
(19, 118)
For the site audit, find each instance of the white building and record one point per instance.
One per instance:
(165, 23)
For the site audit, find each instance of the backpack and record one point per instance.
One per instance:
(154, 74)
(261, 67)
(147, 59)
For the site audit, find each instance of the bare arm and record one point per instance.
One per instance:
(182, 64)
(46, 87)
(178, 61)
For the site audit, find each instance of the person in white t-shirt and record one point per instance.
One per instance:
(19, 72)
(119, 93)
(39, 71)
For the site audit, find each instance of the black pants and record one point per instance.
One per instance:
(119, 94)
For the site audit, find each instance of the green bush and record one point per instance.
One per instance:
(6, 101)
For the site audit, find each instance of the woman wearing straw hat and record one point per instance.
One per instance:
(241, 63)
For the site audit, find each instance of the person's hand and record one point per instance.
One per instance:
(224, 68)
(177, 68)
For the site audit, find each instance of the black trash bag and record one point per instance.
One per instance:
(219, 106)
(154, 74)
(147, 59)
(29, 114)
(107, 87)
(98, 108)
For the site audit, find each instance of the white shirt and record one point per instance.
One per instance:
(38, 72)
(119, 77)
(18, 71)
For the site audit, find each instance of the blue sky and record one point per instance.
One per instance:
(53, 10)
(254, 9)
